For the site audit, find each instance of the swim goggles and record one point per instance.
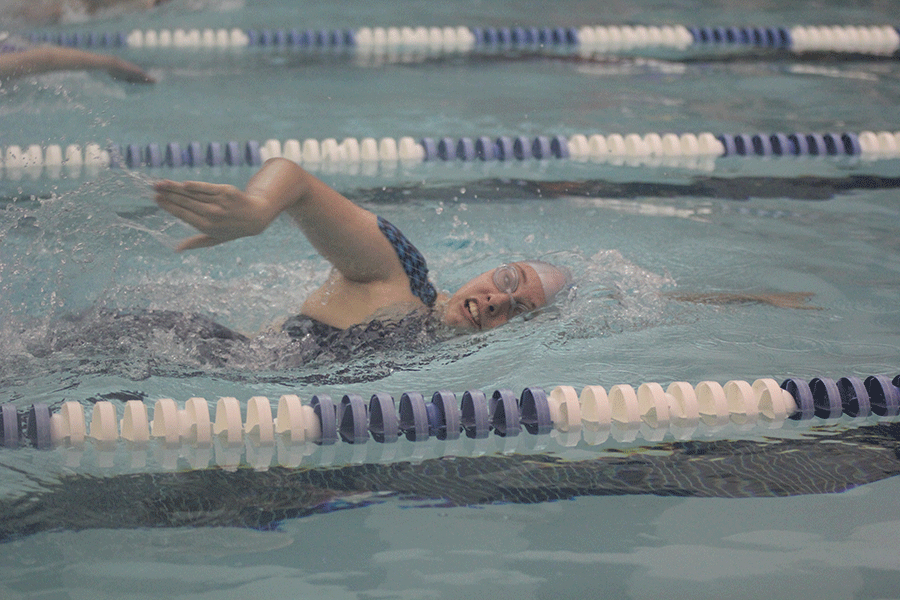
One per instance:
(506, 278)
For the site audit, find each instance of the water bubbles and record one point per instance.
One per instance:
(613, 295)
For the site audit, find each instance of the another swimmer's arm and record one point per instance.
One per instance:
(777, 299)
(52, 58)
(344, 233)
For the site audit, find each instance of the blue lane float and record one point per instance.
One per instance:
(325, 411)
(384, 424)
(764, 37)
(803, 397)
(38, 426)
(9, 419)
(416, 422)
(826, 398)
(875, 40)
(884, 396)
(448, 425)
(352, 418)
(475, 414)
(534, 409)
(504, 413)
(854, 397)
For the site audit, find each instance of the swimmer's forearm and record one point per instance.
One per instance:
(33, 62)
(50, 58)
(347, 235)
(291, 189)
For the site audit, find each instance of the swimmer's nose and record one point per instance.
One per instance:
(498, 305)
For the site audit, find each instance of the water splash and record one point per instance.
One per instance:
(612, 295)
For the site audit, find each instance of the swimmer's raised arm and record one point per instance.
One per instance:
(345, 234)
(52, 58)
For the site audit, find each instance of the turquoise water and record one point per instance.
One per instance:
(630, 233)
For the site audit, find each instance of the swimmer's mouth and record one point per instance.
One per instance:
(472, 307)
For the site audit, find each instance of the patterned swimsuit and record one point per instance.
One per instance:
(413, 263)
(415, 329)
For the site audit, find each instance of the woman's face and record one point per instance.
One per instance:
(495, 297)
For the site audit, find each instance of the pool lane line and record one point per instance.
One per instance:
(862, 39)
(681, 410)
(633, 149)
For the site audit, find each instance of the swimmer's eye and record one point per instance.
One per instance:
(506, 278)
(519, 308)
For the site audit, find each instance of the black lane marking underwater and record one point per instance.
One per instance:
(723, 188)
(814, 464)
(698, 55)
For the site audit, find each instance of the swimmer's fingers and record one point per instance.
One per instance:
(221, 212)
(188, 211)
(193, 202)
(126, 71)
(198, 191)
(210, 199)
(197, 241)
(203, 240)
(205, 191)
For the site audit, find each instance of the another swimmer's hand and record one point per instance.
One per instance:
(221, 212)
(45, 59)
(126, 71)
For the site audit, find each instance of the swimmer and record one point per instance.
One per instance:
(378, 273)
(378, 276)
(20, 58)
(377, 298)
(44, 59)
(49, 12)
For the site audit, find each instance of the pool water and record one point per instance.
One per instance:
(632, 233)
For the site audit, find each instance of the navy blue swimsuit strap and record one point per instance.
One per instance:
(413, 263)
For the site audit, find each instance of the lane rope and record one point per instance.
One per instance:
(871, 39)
(350, 153)
(680, 410)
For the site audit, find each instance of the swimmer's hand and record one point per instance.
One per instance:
(126, 71)
(221, 212)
